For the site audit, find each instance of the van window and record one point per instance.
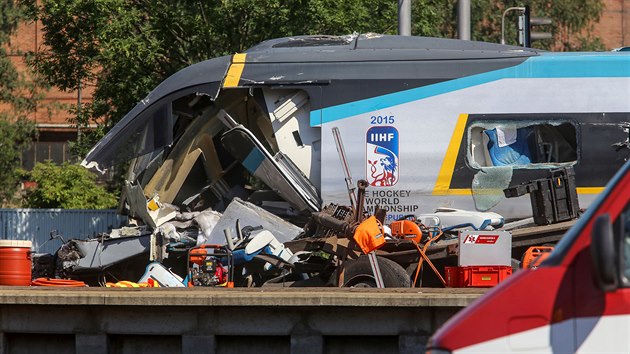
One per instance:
(622, 225)
(626, 251)
(521, 144)
(621, 231)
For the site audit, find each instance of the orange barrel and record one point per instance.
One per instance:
(15, 262)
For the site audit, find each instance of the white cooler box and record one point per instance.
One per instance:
(485, 248)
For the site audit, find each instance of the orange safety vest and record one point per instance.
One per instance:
(369, 235)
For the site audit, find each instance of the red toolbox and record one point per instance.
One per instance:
(451, 277)
(476, 276)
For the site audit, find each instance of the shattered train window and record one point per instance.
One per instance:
(521, 144)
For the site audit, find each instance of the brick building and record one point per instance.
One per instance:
(55, 131)
(51, 120)
(614, 25)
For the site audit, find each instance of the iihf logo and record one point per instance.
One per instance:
(382, 156)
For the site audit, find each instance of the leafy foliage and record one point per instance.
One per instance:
(571, 26)
(125, 48)
(18, 98)
(14, 136)
(67, 186)
(10, 15)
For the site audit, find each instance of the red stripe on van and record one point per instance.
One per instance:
(526, 294)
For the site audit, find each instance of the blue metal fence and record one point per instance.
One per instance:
(36, 225)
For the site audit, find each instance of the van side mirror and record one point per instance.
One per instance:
(603, 254)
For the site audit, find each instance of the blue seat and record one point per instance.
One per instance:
(517, 153)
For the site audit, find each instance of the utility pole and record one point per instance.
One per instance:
(463, 19)
(79, 111)
(404, 17)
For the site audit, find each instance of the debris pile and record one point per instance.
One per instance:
(248, 246)
(217, 203)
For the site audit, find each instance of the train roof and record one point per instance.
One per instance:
(362, 47)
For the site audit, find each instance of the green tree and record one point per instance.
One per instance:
(18, 98)
(571, 28)
(123, 48)
(67, 186)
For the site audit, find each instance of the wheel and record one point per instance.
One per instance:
(358, 273)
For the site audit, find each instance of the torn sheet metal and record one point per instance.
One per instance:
(149, 125)
(138, 207)
(289, 112)
(625, 127)
(195, 146)
(277, 171)
(249, 214)
(94, 255)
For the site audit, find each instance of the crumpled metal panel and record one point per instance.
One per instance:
(150, 122)
(99, 254)
(249, 214)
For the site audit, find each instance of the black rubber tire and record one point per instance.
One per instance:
(358, 273)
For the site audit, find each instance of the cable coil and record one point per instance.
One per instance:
(69, 283)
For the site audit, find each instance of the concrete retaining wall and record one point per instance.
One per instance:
(223, 320)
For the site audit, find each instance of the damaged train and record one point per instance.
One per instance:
(428, 123)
